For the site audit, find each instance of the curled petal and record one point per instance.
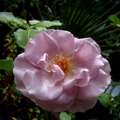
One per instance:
(96, 86)
(87, 56)
(39, 45)
(82, 105)
(38, 84)
(106, 66)
(20, 66)
(67, 96)
(53, 107)
(95, 65)
(65, 40)
(43, 62)
(83, 78)
(21, 87)
(58, 74)
(90, 40)
(69, 82)
(102, 80)
(86, 52)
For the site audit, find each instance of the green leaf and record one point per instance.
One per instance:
(47, 23)
(105, 99)
(22, 36)
(64, 116)
(7, 17)
(114, 19)
(6, 65)
(33, 22)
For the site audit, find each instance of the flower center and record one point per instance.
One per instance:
(64, 61)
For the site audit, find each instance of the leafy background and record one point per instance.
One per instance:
(21, 19)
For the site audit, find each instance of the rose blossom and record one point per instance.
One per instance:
(60, 72)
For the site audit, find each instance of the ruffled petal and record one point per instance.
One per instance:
(57, 74)
(67, 96)
(90, 40)
(102, 80)
(86, 52)
(87, 56)
(95, 65)
(40, 85)
(53, 107)
(40, 44)
(65, 40)
(106, 68)
(43, 62)
(20, 86)
(20, 66)
(80, 78)
(80, 105)
(96, 86)
(83, 78)
(69, 82)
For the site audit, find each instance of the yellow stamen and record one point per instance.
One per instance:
(64, 61)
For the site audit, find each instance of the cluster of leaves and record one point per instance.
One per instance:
(112, 103)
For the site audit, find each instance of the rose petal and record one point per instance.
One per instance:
(95, 87)
(90, 40)
(69, 82)
(80, 78)
(82, 105)
(20, 66)
(53, 107)
(65, 40)
(43, 62)
(86, 52)
(95, 65)
(67, 96)
(88, 57)
(39, 45)
(20, 86)
(106, 68)
(102, 80)
(58, 74)
(83, 78)
(38, 83)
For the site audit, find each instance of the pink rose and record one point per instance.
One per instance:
(60, 72)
